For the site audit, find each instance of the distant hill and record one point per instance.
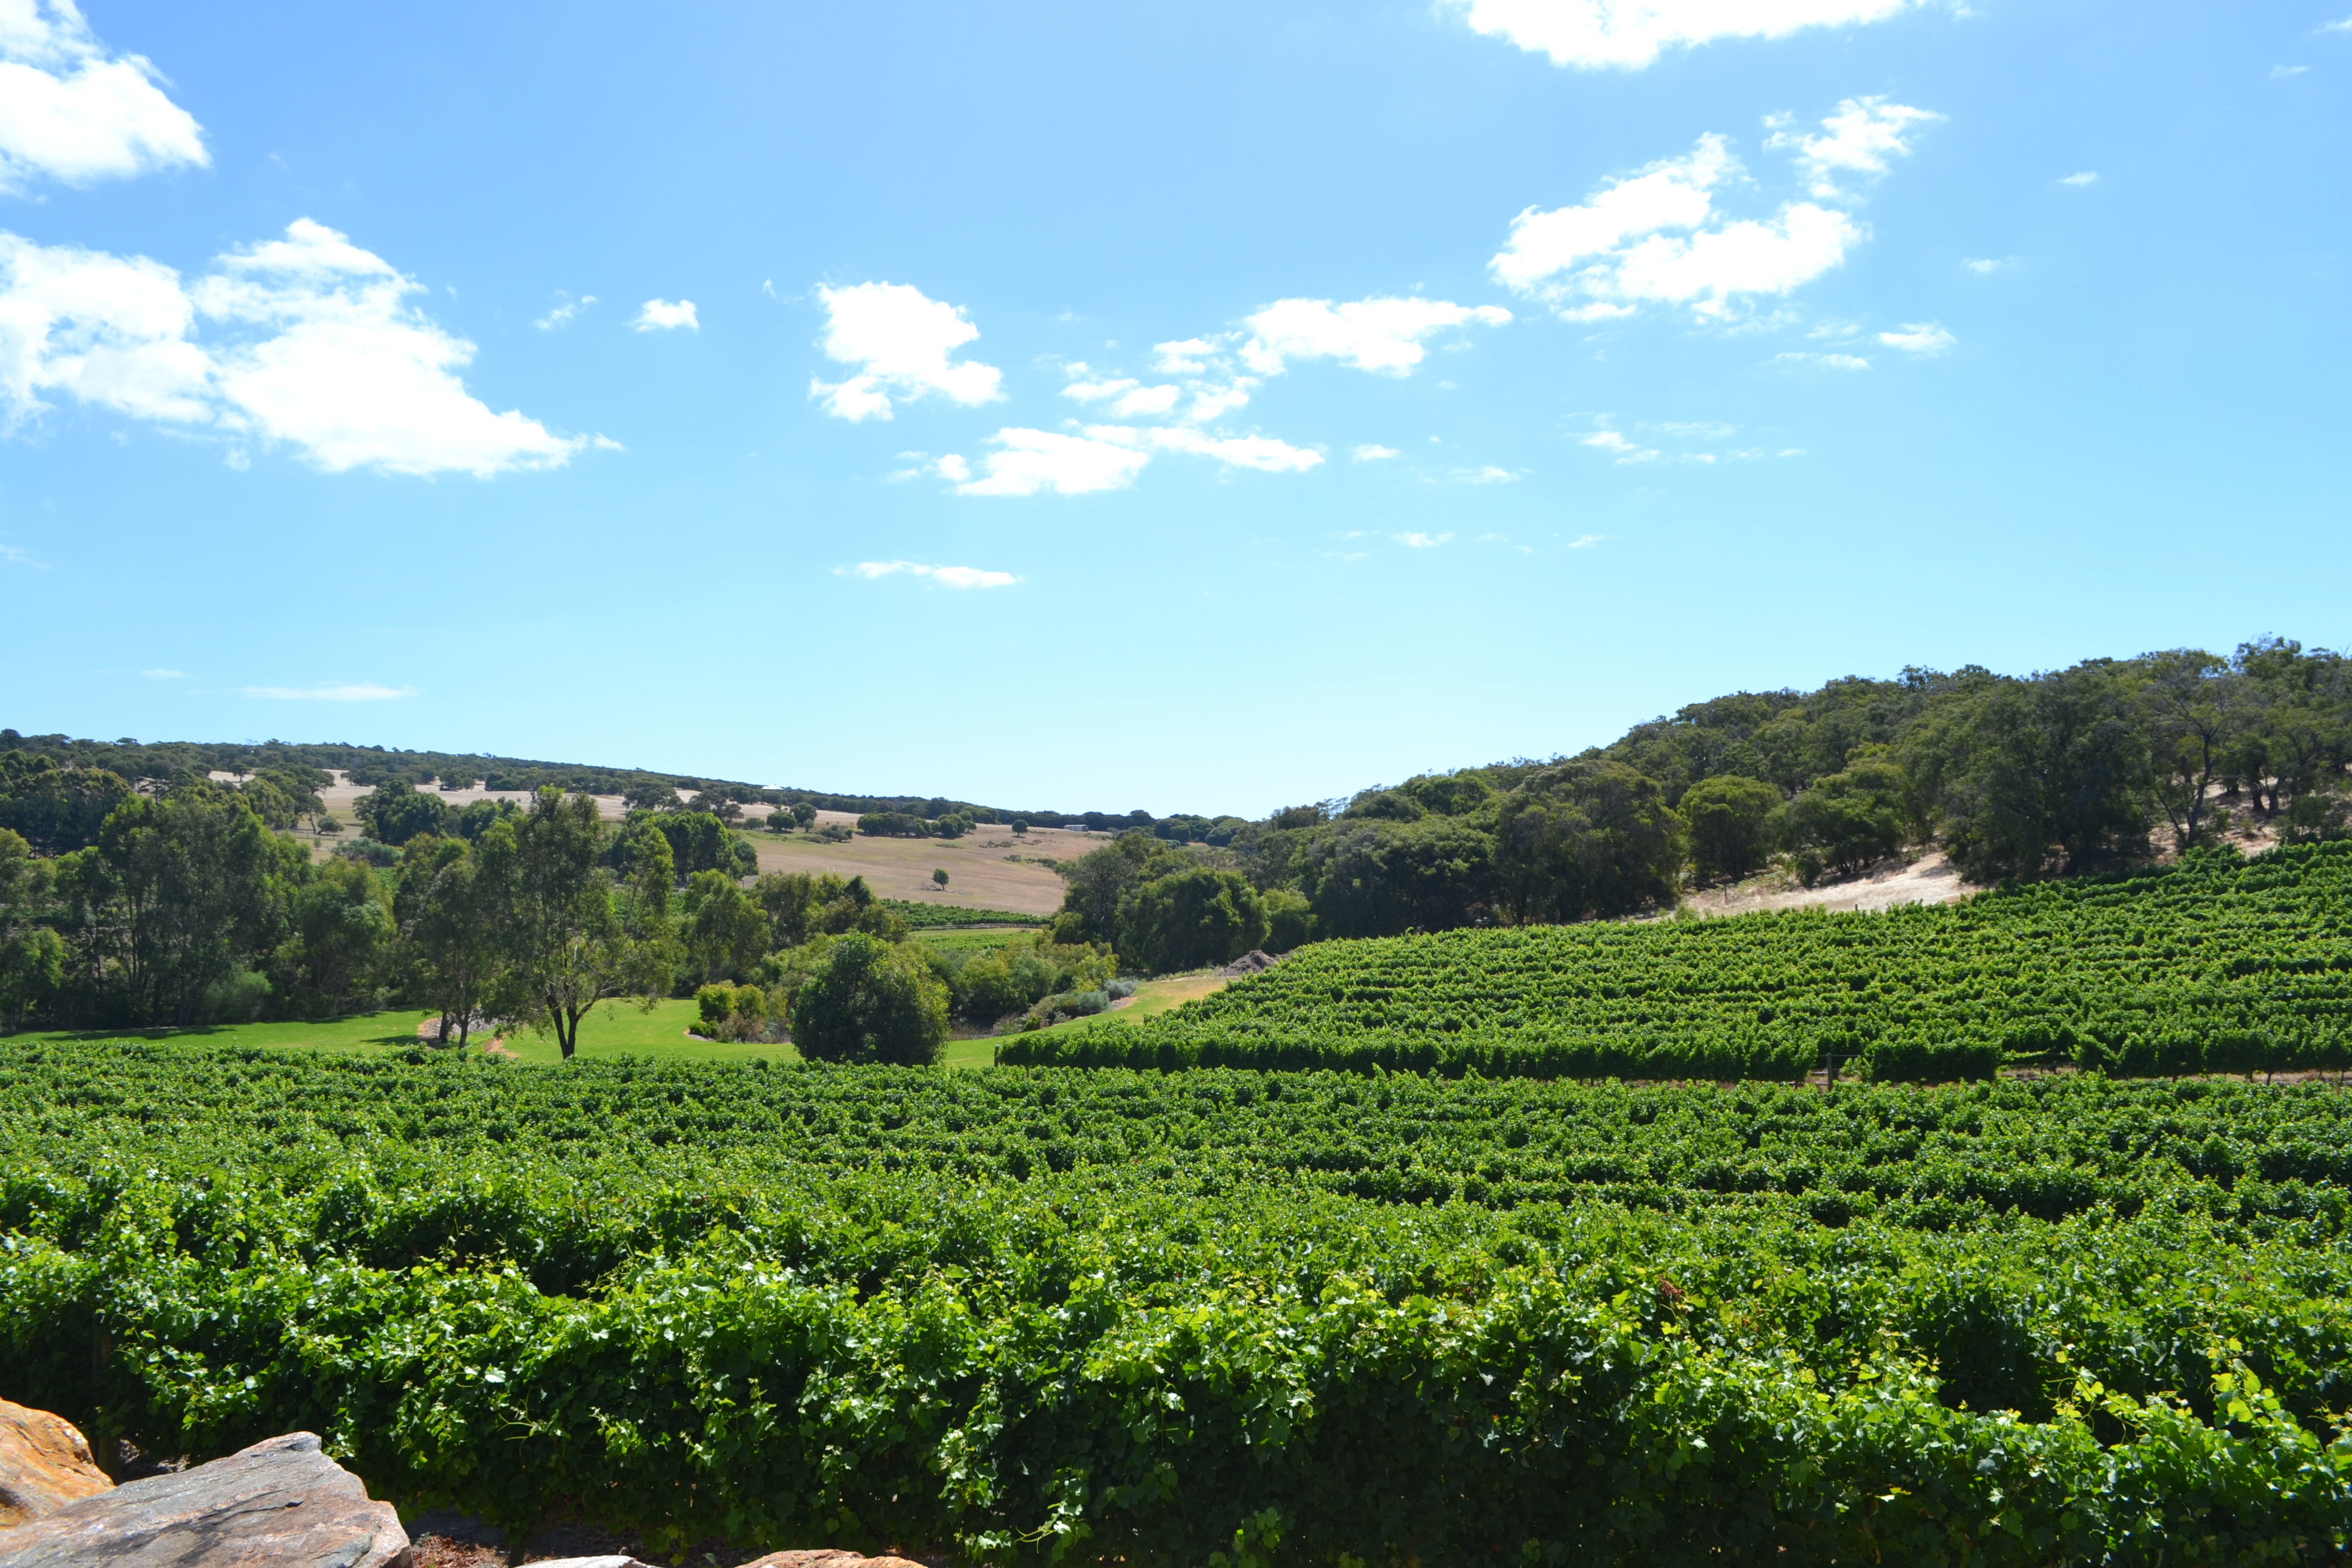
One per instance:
(135, 760)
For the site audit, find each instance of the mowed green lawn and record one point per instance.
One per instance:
(610, 1031)
(618, 1030)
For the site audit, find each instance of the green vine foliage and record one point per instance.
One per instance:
(2218, 964)
(1037, 1317)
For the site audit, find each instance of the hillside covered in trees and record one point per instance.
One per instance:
(136, 889)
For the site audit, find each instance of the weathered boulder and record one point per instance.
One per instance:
(45, 1464)
(278, 1504)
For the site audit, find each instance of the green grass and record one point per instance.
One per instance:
(610, 1032)
(951, 938)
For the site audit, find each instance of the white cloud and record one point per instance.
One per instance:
(1586, 540)
(1028, 461)
(1629, 34)
(1860, 137)
(1128, 399)
(349, 373)
(1670, 194)
(13, 556)
(1983, 265)
(945, 576)
(1919, 338)
(1382, 335)
(1489, 475)
(565, 311)
(1422, 541)
(1372, 452)
(901, 340)
(1214, 400)
(1609, 257)
(1186, 356)
(1615, 444)
(1826, 362)
(109, 329)
(71, 111)
(1263, 453)
(2343, 26)
(165, 674)
(2279, 73)
(320, 350)
(667, 315)
(2087, 177)
(354, 693)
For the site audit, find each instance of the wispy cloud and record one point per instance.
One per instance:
(1380, 335)
(1656, 236)
(353, 693)
(165, 674)
(13, 556)
(1857, 138)
(1617, 445)
(1919, 338)
(1982, 266)
(945, 576)
(566, 310)
(2087, 177)
(667, 315)
(1586, 540)
(1417, 541)
(1488, 475)
(1823, 361)
(1373, 452)
(2279, 73)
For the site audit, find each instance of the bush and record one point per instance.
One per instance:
(870, 1001)
(733, 1012)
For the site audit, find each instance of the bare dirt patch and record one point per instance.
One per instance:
(988, 869)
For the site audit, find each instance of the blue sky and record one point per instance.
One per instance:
(1199, 409)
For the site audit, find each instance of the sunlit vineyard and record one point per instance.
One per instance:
(2216, 965)
(1032, 1316)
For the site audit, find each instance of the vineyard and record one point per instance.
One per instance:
(2216, 965)
(1220, 1316)
(924, 917)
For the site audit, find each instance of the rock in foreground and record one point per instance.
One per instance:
(45, 1464)
(278, 1504)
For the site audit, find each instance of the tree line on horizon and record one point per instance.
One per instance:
(176, 902)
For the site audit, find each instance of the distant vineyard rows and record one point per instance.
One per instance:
(2217, 964)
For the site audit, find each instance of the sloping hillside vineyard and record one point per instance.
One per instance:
(2217, 964)
(1211, 1317)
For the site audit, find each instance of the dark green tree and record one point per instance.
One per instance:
(1732, 826)
(1190, 920)
(1852, 818)
(1585, 839)
(574, 936)
(338, 935)
(1375, 877)
(870, 1001)
(395, 811)
(449, 907)
(2052, 775)
(725, 929)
